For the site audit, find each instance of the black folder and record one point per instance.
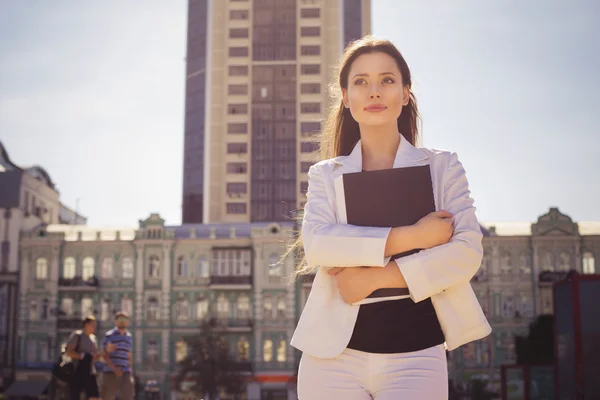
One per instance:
(389, 198)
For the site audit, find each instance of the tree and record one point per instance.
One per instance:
(210, 365)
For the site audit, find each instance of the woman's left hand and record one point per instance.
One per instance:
(354, 283)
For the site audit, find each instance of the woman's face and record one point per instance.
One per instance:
(375, 93)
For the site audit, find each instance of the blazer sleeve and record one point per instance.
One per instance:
(329, 244)
(432, 271)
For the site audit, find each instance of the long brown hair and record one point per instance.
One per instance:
(341, 131)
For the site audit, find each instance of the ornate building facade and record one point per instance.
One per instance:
(169, 279)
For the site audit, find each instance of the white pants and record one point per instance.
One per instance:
(356, 375)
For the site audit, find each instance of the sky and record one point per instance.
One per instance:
(94, 93)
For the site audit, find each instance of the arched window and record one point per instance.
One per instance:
(202, 267)
(243, 307)
(267, 350)
(41, 269)
(107, 268)
(182, 310)
(88, 271)
(275, 267)
(201, 308)
(281, 307)
(69, 268)
(127, 268)
(181, 350)
(589, 266)
(281, 351)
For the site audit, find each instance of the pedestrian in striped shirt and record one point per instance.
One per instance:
(118, 375)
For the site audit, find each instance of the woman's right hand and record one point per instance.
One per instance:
(434, 229)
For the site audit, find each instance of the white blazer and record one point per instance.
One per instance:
(442, 273)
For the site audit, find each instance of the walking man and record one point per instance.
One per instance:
(118, 376)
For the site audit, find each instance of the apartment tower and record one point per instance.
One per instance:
(256, 91)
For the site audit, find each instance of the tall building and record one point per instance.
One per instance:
(28, 198)
(256, 90)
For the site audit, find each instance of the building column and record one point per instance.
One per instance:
(139, 285)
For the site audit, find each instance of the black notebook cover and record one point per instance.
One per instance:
(389, 198)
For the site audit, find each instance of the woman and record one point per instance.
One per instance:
(392, 349)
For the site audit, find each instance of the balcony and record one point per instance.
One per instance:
(78, 283)
(241, 366)
(234, 324)
(232, 282)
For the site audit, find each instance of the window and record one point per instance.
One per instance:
(275, 267)
(524, 264)
(87, 307)
(237, 90)
(305, 166)
(310, 31)
(69, 268)
(238, 33)
(234, 188)
(45, 312)
(238, 52)
(153, 267)
(127, 268)
(310, 108)
(310, 13)
(202, 267)
(238, 70)
(238, 14)
(88, 271)
(181, 350)
(237, 128)
(43, 350)
(153, 311)
(237, 168)
(41, 269)
(201, 309)
(236, 208)
(508, 306)
(281, 349)
(237, 148)
(589, 266)
(33, 310)
(310, 88)
(127, 305)
(31, 351)
(310, 69)
(152, 350)
(223, 311)
(237, 109)
(309, 147)
(181, 268)
(268, 308)
(243, 307)
(506, 264)
(281, 308)
(66, 306)
(107, 268)
(268, 350)
(105, 312)
(309, 128)
(182, 310)
(565, 262)
(548, 261)
(243, 349)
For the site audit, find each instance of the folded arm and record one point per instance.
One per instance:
(433, 270)
(329, 244)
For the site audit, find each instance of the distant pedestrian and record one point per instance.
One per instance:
(118, 370)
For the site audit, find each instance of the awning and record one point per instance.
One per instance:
(27, 388)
